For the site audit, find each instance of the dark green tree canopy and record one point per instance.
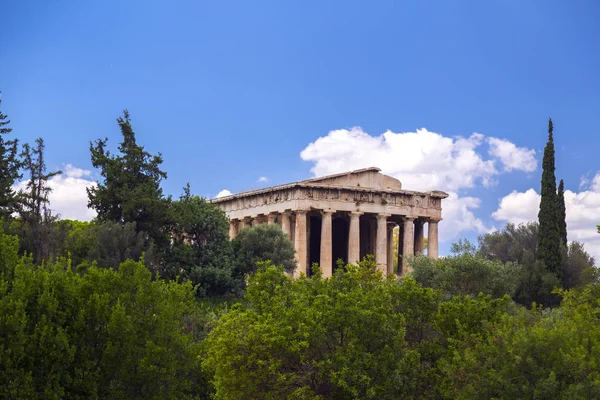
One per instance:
(9, 167)
(265, 242)
(562, 212)
(130, 190)
(549, 235)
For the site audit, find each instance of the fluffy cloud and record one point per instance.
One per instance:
(223, 193)
(424, 160)
(68, 198)
(511, 156)
(262, 179)
(583, 212)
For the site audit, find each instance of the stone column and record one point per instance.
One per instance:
(419, 237)
(390, 248)
(233, 229)
(408, 246)
(400, 247)
(381, 243)
(271, 218)
(285, 224)
(300, 244)
(244, 223)
(256, 220)
(354, 238)
(432, 238)
(326, 262)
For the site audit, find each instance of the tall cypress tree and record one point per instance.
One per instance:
(9, 167)
(548, 234)
(562, 213)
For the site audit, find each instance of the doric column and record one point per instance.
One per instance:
(271, 218)
(381, 243)
(257, 220)
(286, 225)
(244, 223)
(326, 262)
(400, 247)
(419, 237)
(300, 243)
(390, 248)
(432, 238)
(354, 238)
(409, 246)
(233, 229)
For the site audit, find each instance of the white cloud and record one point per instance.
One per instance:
(69, 197)
(263, 179)
(223, 193)
(459, 217)
(511, 156)
(422, 160)
(518, 207)
(582, 208)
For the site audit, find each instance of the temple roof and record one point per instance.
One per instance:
(366, 179)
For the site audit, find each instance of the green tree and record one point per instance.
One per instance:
(102, 334)
(313, 338)
(201, 250)
(36, 216)
(513, 243)
(130, 190)
(562, 213)
(467, 274)
(534, 354)
(265, 242)
(548, 216)
(9, 167)
(576, 261)
(114, 243)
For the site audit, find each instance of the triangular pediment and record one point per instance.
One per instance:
(365, 178)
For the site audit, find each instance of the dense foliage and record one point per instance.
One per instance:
(261, 243)
(101, 334)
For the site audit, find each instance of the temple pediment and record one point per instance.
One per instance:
(371, 178)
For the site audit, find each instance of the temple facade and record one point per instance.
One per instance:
(344, 216)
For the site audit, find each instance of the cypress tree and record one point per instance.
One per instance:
(9, 167)
(562, 213)
(548, 234)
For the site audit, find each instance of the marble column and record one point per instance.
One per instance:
(390, 248)
(271, 218)
(432, 238)
(233, 229)
(400, 248)
(419, 240)
(354, 238)
(326, 262)
(286, 226)
(244, 223)
(381, 243)
(408, 245)
(301, 244)
(257, 220)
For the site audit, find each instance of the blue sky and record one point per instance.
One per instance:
(233, 91)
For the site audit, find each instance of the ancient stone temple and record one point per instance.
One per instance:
(344, 216)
